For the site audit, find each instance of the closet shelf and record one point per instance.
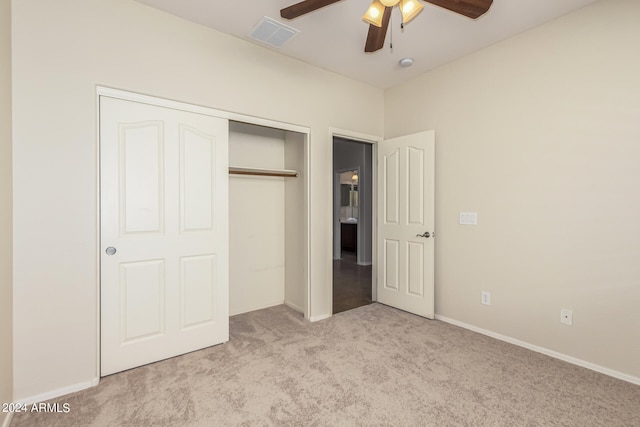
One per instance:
(287, 173)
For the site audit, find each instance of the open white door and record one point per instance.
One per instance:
(406, 223)
(164, 233)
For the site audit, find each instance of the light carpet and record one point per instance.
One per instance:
(372, 366)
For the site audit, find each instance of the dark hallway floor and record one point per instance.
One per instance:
(351, 283)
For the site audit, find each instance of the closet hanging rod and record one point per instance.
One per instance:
(287, 173)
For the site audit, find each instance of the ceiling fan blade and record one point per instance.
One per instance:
(376, 35)
(304, 7)
(471, 8)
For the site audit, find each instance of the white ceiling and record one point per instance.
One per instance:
(333, 37)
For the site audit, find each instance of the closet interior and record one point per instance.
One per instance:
(267, 218)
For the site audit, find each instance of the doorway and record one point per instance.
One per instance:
(352, 228)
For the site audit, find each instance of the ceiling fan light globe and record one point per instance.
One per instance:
(374, 14)
(410, 9)
(389, 3)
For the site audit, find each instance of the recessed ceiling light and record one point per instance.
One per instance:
(406, 62)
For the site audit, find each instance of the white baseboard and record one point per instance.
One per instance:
(59, 392)
(318, 318)
(545, 351)
(248, 309)
(293, 306)
(7, 420)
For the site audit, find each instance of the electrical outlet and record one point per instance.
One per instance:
(486, 298)
(566, 316)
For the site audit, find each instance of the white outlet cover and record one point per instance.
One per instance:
(486, 298)
(566, 316)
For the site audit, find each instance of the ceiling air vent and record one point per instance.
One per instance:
(272, 32)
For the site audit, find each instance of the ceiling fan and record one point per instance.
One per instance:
(379, 13)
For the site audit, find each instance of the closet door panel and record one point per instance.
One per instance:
(198, 282)
(141, 178)
(197, 179)
(164, 255)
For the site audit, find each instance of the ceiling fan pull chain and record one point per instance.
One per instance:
(391, 34)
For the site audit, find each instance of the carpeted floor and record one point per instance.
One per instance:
(372, 366)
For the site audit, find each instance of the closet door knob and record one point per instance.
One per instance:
(426, 235)
(111, 250)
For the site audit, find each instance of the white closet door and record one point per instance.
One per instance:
(164, 233)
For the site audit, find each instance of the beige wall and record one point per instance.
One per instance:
(295, 220)
(537, 134)
(540, 135)
(62, 50)
(6, 229)
(256, 220)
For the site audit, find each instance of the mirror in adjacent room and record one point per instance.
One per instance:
(349, 195)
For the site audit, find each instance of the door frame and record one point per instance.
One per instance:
(185, 106)
(373, 140)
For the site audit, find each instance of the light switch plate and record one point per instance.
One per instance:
(486, 298)
(469, 218)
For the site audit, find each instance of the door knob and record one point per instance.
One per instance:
(111, 250)
(426, 235)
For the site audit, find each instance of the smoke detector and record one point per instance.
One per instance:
(406, 62)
